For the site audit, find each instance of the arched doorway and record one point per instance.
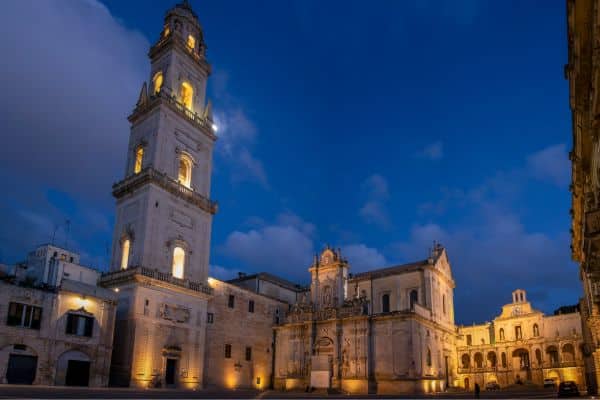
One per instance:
(521, 364)
(467, 384)
(73, 369)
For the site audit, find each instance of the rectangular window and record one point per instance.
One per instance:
(231, 301)
(210, 318)
(24, 315)
(248, 353)
(227, 351)
(469, 340)
(79, 325)
(251, 306)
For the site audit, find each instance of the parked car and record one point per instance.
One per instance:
(549, 382)
(568, 389)
(492, 385)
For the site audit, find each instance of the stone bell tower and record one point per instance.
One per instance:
(164, 213)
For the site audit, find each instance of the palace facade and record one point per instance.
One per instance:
(521, 345)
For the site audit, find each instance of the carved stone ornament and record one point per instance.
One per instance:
(174, 313)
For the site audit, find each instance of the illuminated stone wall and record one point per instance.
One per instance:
(51, 344)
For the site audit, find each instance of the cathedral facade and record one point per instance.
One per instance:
(384, 331)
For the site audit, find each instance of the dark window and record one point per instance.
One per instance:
(248, 353)
(231, 301)
(227, 351)
(414, 298)
(210, 318)
(428, 358)
(469, 340)
(24, 315)
(251, 306)
(385, 303)
(79, 325)
(70, 259)
(277, 316)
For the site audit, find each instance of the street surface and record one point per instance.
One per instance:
(49, 392)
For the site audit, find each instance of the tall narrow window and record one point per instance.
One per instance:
(444, 303)
(125, 253)
(191, 42)
(187, 94)
(248, 353)
(157, 82)
(227, 351)
(185, 171)
(501, 334)
(469, 340)
(428, 357)
(385, 303)
(251, 306)
(139, 157)
(518, 333)
(231, 301)
(178, 262)
(414, 298)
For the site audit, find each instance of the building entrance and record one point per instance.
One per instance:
(78, 373)
(21, 369)
(170, 371)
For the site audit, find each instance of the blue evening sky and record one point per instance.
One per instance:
(377, 127)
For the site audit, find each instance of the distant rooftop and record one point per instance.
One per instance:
(394, 270)
(266, 276)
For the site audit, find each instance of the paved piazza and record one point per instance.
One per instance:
(50, 392)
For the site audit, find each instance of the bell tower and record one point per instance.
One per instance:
(161, 242)
(164, 212)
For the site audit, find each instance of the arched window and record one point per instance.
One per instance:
(478, 360)
(491, 359)
(428, 357)
(413, 297)
(536, 330)
(465, 361)
(157, 82)
(139, 158)
(125, 253)
(538, 356)
(518, 333)
(178, 262)
(187, 95)
(385, 303)
(501, 334)
(185, 171)
(191, 42)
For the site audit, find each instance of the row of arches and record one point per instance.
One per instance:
(185, 166)
(178, 257)
(567, 354)
(186, 90)
(72, 367)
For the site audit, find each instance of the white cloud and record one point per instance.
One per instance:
(222, 273)
(363, 258)
(374, 211)
(433, 151)
(551, 165)
(237, 135)
(283, 246)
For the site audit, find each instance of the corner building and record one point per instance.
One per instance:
(384, 331)
(161, 240)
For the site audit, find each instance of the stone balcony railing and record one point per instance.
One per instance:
(111, 278)
(202, 122)
(150, 175)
